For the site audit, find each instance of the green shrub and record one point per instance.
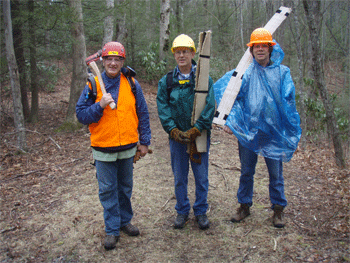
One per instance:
(153, 69)
(316, 110)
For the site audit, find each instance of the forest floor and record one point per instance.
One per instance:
(50, 211)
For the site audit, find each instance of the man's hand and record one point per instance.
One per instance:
(179, 136)
(192, 134)
(141, 151)
(106, 100)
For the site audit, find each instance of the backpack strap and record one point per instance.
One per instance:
(93, 93)
(132, 84)
(169, 83)
(129, 73)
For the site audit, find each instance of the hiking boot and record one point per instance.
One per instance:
(180, 221)
(130, 230)
(278, 216)
(110, 242)
(203, 221)
(242, 212)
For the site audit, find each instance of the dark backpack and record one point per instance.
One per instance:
(169, 83)
(128, 72)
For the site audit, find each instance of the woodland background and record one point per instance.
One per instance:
(45, 156)
(49, 35)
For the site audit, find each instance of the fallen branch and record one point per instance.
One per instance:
(8, 229)
(246, 234)
(225, 180)
(15, 132)
(301, 227)
(59, 147)
(36, 171)
(234, 168)
(275, 247)
(329, 219)
(167, 201)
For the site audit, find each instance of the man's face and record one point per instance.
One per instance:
(184, 56)
(112, 65)
(261, 54)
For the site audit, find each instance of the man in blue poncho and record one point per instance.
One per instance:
(265, 121)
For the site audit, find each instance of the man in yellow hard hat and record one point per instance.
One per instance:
(265, 121)
(175, 101)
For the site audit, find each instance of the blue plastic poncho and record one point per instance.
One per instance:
(264, 117)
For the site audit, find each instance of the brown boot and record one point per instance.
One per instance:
(110, 242)
(242, 212)
(278, 216)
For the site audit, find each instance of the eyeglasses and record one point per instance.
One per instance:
(182, 52)
(114, 59)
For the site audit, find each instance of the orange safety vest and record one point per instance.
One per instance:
(116, 127)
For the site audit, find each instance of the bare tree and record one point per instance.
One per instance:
(244, 47)
(109, 22)
(121, 30)
(18, 41)
(79, 54)
(296, 29)
(34, 87)
(314, 15)
(164, 28)
(179, 14)
(14, 78)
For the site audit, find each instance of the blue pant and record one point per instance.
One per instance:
(115, 181)
(180, 160)
(248, 160)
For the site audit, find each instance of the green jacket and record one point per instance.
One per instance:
(175, 110)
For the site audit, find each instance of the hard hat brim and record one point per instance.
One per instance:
(174, 48)
(250, 44)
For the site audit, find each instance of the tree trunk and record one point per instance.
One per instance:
(34, 87)
(301, 91)
(108, 23)
(19, 53)
(164, 28)
(121, 30)
(131, 49)
(244, 47)
(347, 68)
(313, 16)
(79, 54)
(14, 77)
(179, 14)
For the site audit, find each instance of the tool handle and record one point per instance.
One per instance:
(97, 73)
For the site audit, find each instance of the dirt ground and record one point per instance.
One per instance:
(50, 211)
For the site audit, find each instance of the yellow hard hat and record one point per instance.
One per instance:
(260, 35)
(183, 41)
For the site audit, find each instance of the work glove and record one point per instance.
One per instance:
(193, 152)
(192, 134)
(179, 136)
